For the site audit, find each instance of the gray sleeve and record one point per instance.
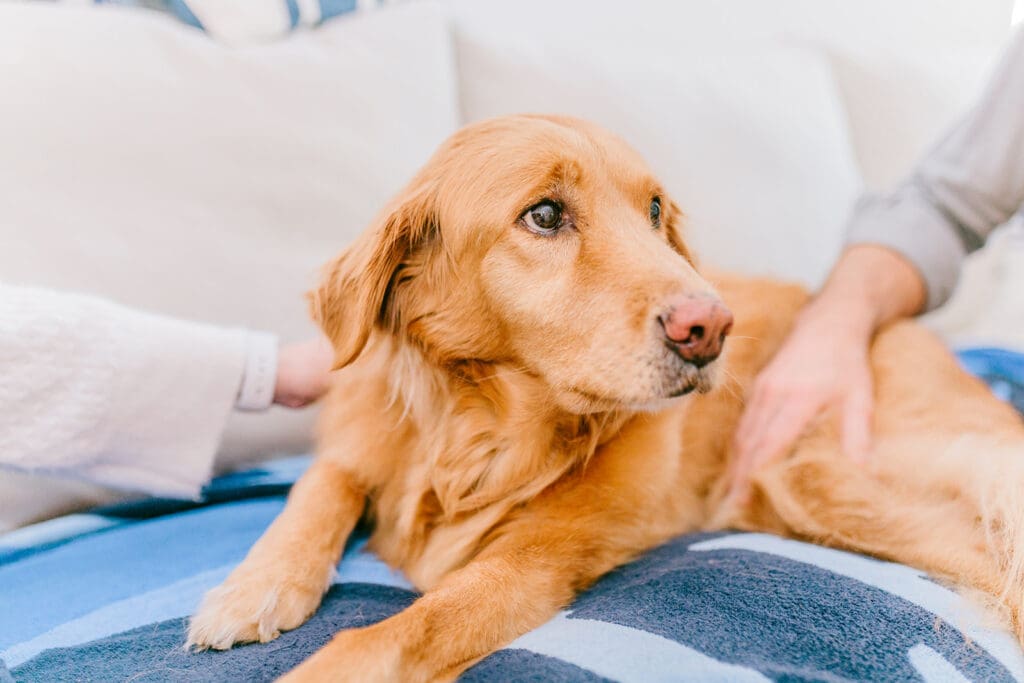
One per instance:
(968, 184)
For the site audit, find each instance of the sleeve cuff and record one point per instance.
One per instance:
(259, 378)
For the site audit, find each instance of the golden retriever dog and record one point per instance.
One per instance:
(535, 391)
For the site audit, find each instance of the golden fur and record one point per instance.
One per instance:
(504, 418)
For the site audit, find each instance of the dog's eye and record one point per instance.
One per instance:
(656, 212)
(543, 218)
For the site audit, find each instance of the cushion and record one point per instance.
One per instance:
(106, 596)
(905, 69)
(149, 164)
(1002, 369)
(987, 307)
(891, 124)
(260, 20)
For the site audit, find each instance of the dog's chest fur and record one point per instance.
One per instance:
(448, 456)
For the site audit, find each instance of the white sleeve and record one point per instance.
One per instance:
(97, 391)
(259, 378)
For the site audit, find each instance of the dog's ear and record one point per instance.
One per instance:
(356, 291)
(674, 222)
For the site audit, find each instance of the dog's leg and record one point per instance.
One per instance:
(283, 578)
(984, 472)
(944, 488)
(528, 568)
(957, 513)
(506, 591)
(474, 611)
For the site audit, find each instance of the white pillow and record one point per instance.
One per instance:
(751, 143)
(902, 79)
(143, 161)
(899, 104)
(863, 27)
(987, 307)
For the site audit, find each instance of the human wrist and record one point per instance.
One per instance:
(849, 315)
(888, 282)
(869, 286)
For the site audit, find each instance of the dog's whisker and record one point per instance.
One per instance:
(504, 373)
(733, 385)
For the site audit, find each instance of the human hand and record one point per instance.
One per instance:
(822, 367)
(303, 372)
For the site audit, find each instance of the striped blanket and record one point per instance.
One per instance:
(105, 597)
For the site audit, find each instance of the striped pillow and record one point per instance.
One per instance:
(260, 20)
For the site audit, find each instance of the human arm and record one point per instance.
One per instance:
(969, 183)
(904, 254)
(823, 365)
(132, 400)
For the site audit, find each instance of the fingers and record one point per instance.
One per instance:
(757, 413)
(856, 424)
(756, 418)
(767, 431)
(774, 419)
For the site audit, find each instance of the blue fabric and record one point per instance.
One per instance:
(726, 607)
(180, 9)
(183, 9)
(1001, 369)
(111, 603)
(106, 595)
(332, 8)
(270, 478)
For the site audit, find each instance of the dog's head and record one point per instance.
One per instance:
(540, 242)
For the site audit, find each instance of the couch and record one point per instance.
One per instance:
(146, 161)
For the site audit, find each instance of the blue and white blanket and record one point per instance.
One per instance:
(105, 597)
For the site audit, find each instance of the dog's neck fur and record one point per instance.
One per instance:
(473, 441)
(500, 438)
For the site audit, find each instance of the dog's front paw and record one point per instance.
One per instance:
(248, 608)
